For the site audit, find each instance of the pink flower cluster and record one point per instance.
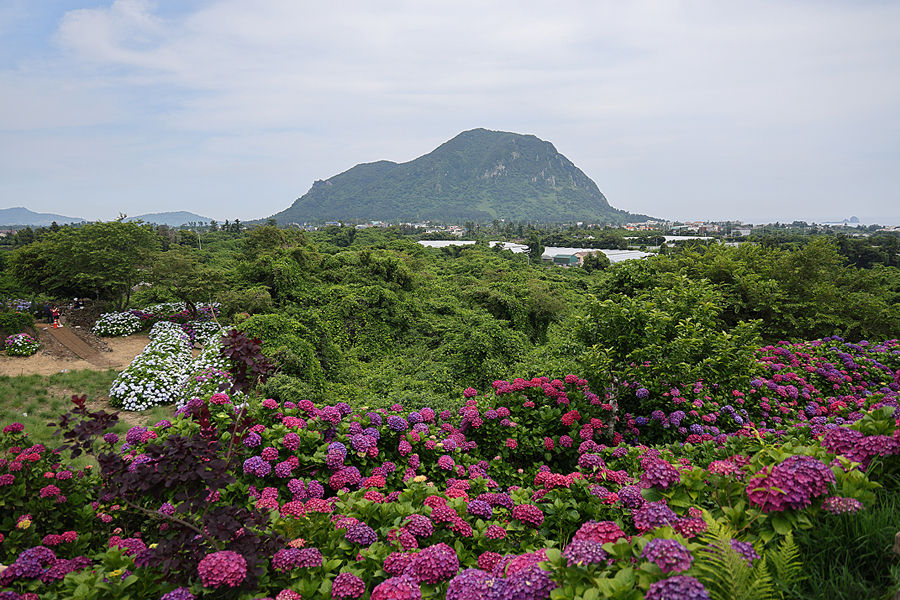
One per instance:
(223, 568)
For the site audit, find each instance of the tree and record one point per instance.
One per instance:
(535, 247)
(596, 261)
(102, 260)
(179, 272)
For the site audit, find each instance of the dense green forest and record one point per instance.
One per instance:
(372, 316)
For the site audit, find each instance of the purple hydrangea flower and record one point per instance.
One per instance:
(678, 587)
(668, 555)
(652, 515)
(361, 534)
(580, 552)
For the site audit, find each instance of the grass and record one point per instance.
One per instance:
(36, 400)
(851, 557)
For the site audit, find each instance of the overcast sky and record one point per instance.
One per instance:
(686, 110)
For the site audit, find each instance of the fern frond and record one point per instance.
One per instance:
(786, 564)
(724, 573)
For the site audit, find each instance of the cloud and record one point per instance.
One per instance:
(670, 106)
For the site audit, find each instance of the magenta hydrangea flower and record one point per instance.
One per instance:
(495, 532)
(223, 568)
(347, 585)
(403, 587)
(668, 555)
(419, 525)
(434, 564)
(528, 514)
(600, 532)
(677, 587)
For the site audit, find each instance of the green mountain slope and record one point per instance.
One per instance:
(478, 175)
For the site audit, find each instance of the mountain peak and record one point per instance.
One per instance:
(479, 174)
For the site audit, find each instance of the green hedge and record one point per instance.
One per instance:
(15, 322)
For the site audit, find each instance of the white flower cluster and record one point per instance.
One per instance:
(165, 308)
(207, 372)
(21, 344)
(206, 331)
(117, 324)
(155, 376)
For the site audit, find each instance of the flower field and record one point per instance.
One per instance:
(530, 489)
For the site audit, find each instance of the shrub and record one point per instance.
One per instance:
(21, 344)
(155, 376)
(117, 324)
(15, 322)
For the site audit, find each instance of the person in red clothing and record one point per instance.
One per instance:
(55, 314)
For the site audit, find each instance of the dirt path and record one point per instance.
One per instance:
(56, 356)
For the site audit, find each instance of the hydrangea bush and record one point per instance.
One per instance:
(156, 376)
(117, 324)
(21, 344)
(820, 383)
(530, 489)
(208, 372)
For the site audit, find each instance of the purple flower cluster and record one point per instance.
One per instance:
(678, 587)
(652, 515)
(397, 423)
(347, 585)
(580, 552)
(181, 593)
(255, 465)
(668, 555)
(660, 474)
(792, 483)
(403, 587)
(746, 550)
(434, 564)
(419, 525)
(288, 559)
(480, 508)
(474, 584)
(361, 534)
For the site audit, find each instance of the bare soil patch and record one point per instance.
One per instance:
(54, 357)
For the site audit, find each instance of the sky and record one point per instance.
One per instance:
(759, 111)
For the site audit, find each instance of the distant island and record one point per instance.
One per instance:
(478, 175)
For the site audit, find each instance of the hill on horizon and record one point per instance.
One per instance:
(172, 219)
(22, 216)
(478, 175)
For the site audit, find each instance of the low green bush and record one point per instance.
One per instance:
(15, 322)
